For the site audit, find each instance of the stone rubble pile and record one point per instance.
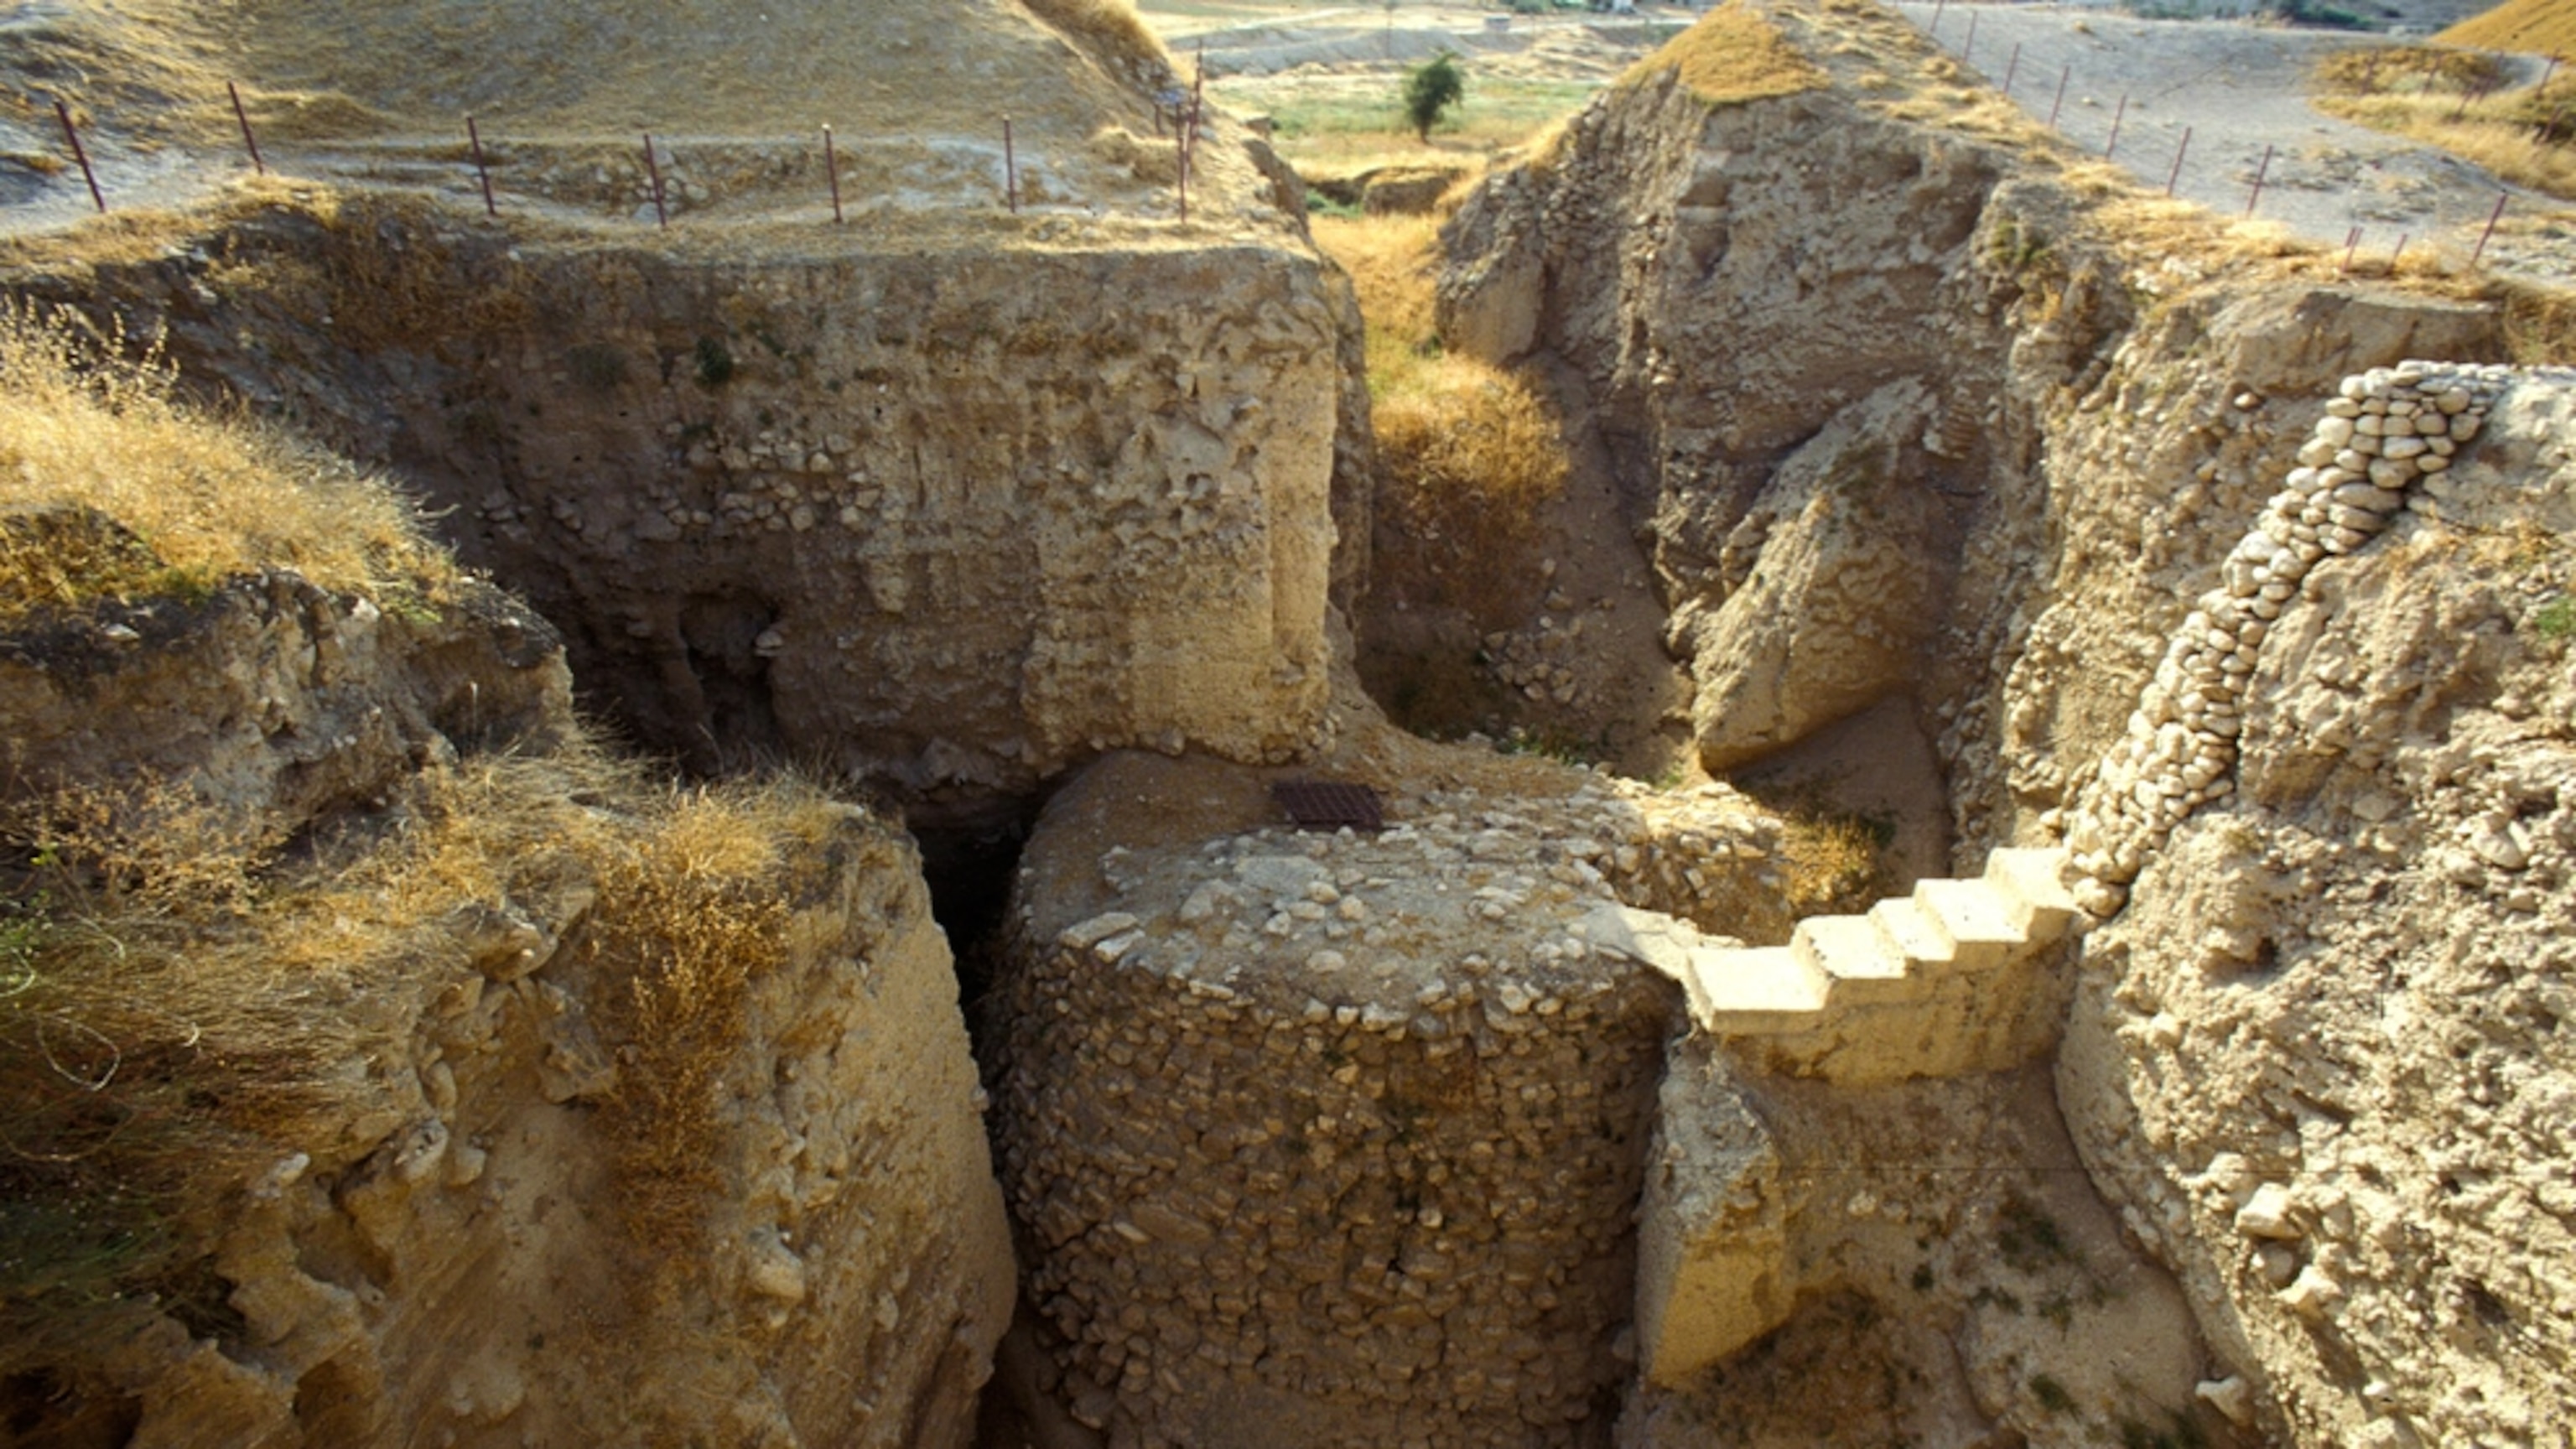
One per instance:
(2387, 429)
(1353, 1125)
(1543, 660)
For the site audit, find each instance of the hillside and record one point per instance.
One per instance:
(2540, 27)
(917, 98)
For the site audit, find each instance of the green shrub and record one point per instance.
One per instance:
(1429, 92)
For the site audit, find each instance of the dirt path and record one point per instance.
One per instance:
(2241, 89)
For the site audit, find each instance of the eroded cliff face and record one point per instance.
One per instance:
(473, 1091)
(2321, 1058)
(458, 1255)
(1896, 415)
(946, 518)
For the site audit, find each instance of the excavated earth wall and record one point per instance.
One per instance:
(1894, 425)
(2323, 1057)
(944, 518)
(1897, 419)
(438, 1245)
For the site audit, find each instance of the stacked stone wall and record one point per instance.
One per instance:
(2383, 431)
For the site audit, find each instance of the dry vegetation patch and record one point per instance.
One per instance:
(1110, 30)
(179, 999)
(2454, 100)
(110, 487)
(699, 908)
(2396, 69)
(1470, 456)
(1731, 56)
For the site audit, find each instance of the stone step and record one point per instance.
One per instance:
(2036, 894)
(1916, 932)
(1974, 915)
(1756, 990)
(1862, 965)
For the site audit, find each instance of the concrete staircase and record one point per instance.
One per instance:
(1937, 983)
(1943, 982)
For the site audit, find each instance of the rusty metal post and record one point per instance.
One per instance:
(482, 168)
(2488, 235)
(80, 153)
(832, 169)
(257, 166)
(2174, 177)
(2059, 104)
(2117, 117)
(1010, 168)
(2351, 244)
(1935, 27)
(2259, 173)
(2548, 73)
(653, 168)
(2397, 251)
(1968, 48)
(2012, 67)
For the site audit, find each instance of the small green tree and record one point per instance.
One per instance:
(1431, 89)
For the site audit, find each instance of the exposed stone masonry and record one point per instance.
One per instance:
(1336, 1140)
(2385, 430)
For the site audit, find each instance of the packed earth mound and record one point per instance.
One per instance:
(917, 98)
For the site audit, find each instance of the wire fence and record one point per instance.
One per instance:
(1961, 44)
(1178, 117)
(1179, 114)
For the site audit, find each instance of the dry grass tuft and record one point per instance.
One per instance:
(2539, 325)
(700, 912)
(1837, 863)
(1469, 456)
(1109, 30)
(2453, 100)
(2394, 69)
(110, 488)
(1733, 55)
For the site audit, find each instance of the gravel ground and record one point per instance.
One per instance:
(2241, 88)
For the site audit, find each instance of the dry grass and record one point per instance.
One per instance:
(2398, 69)
(2450, 100)
(2539, 27)
(1111, 30)
(87, 430)
(1470, 458)
(1837, 863)
(2539, 324)
(2499, 133)
(176, 994)
(1733, 55)
(701, 911)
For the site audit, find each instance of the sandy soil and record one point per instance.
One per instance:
(2240, 88)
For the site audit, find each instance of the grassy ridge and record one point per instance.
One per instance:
(2535, 26)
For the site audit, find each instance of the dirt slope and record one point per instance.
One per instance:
(613, 67)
